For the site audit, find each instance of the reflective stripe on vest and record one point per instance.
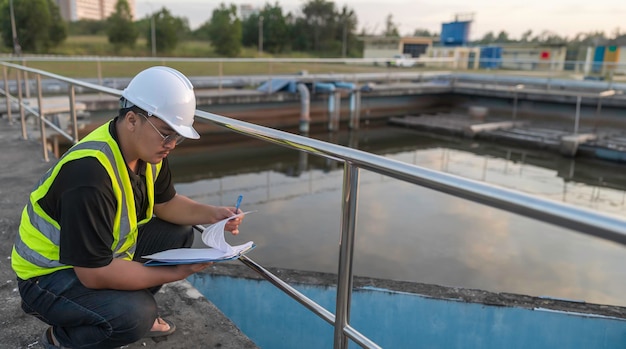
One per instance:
(42, 233)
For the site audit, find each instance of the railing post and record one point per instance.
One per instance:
(220, 72)
(335, 114)
(577, 120)
(346, 252)
(270, 72)
(355, 108)
(72, 96)
(26, 81)
(7, 95)
(21, 104)
(99, 69)
(42, 123)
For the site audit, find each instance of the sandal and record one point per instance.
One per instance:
(155, 333)
(47, 340)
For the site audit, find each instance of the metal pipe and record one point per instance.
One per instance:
(7, 94)
(336, 113)
(331, 109)
(72, 96)
(346, 253)
(305, 104)
(603, 94)
(292, 292)
(320, 311)
(21, 104)
(577, 119)
(42, 124)
(516, 88)
(26, 81)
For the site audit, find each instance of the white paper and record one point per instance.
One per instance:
(197, 254)
(213, 237)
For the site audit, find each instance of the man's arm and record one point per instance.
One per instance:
(128, 275)
(182, 210)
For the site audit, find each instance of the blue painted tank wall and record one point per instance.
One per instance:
(399, 320)
(455, 33)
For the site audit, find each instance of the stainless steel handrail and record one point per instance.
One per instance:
(577, 219)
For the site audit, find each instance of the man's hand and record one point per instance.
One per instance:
(188, 269)
(232, 225)
(185, 211)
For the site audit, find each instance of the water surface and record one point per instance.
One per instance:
(405, 232)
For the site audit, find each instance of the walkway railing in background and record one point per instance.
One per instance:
(39, 112)
(104, 68)
(577, 219)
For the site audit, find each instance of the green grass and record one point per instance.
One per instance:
(108, 67)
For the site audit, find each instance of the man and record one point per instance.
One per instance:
(108, 201)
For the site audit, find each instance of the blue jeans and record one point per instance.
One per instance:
(87, 318)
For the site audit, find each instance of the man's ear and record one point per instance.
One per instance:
(131, 118)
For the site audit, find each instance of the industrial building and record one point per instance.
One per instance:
(387, 46)
(605, 60)
(98, 10)
(453, 46)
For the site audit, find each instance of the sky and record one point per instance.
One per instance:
(562, 17)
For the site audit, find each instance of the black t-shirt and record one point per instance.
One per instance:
(82, 201)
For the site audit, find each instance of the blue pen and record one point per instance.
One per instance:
(238, 203)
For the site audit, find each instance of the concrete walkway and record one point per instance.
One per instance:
(199, 323)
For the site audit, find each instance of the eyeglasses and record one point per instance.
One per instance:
(167, 139)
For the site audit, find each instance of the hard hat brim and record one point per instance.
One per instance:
(185, 131)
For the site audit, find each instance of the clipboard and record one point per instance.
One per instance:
(196, 255)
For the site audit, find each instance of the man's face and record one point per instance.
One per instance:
(157, 138)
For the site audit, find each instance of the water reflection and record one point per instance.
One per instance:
(406, 232)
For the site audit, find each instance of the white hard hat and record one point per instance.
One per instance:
(167, 94)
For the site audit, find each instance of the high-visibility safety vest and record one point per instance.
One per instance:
(36, 248)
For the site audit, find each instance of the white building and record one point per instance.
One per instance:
(247, 10)
(454, 57)
(533, 57)
(74, 10)
(387, 47)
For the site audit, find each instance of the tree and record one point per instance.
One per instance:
(550, 38)
(120, 28)
(488, 38)
(275, 29)
(224, 29)
(318, 24)
(87, 27)
(503, 37)
(423, 32)
(526, 36)
(168, 29)
(38, 24)
(347, 25)
(391, 29)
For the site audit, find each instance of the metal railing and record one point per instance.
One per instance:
(39, 111)
(577, 219)
(104, 67)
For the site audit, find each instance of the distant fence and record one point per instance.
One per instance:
(102, 68)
